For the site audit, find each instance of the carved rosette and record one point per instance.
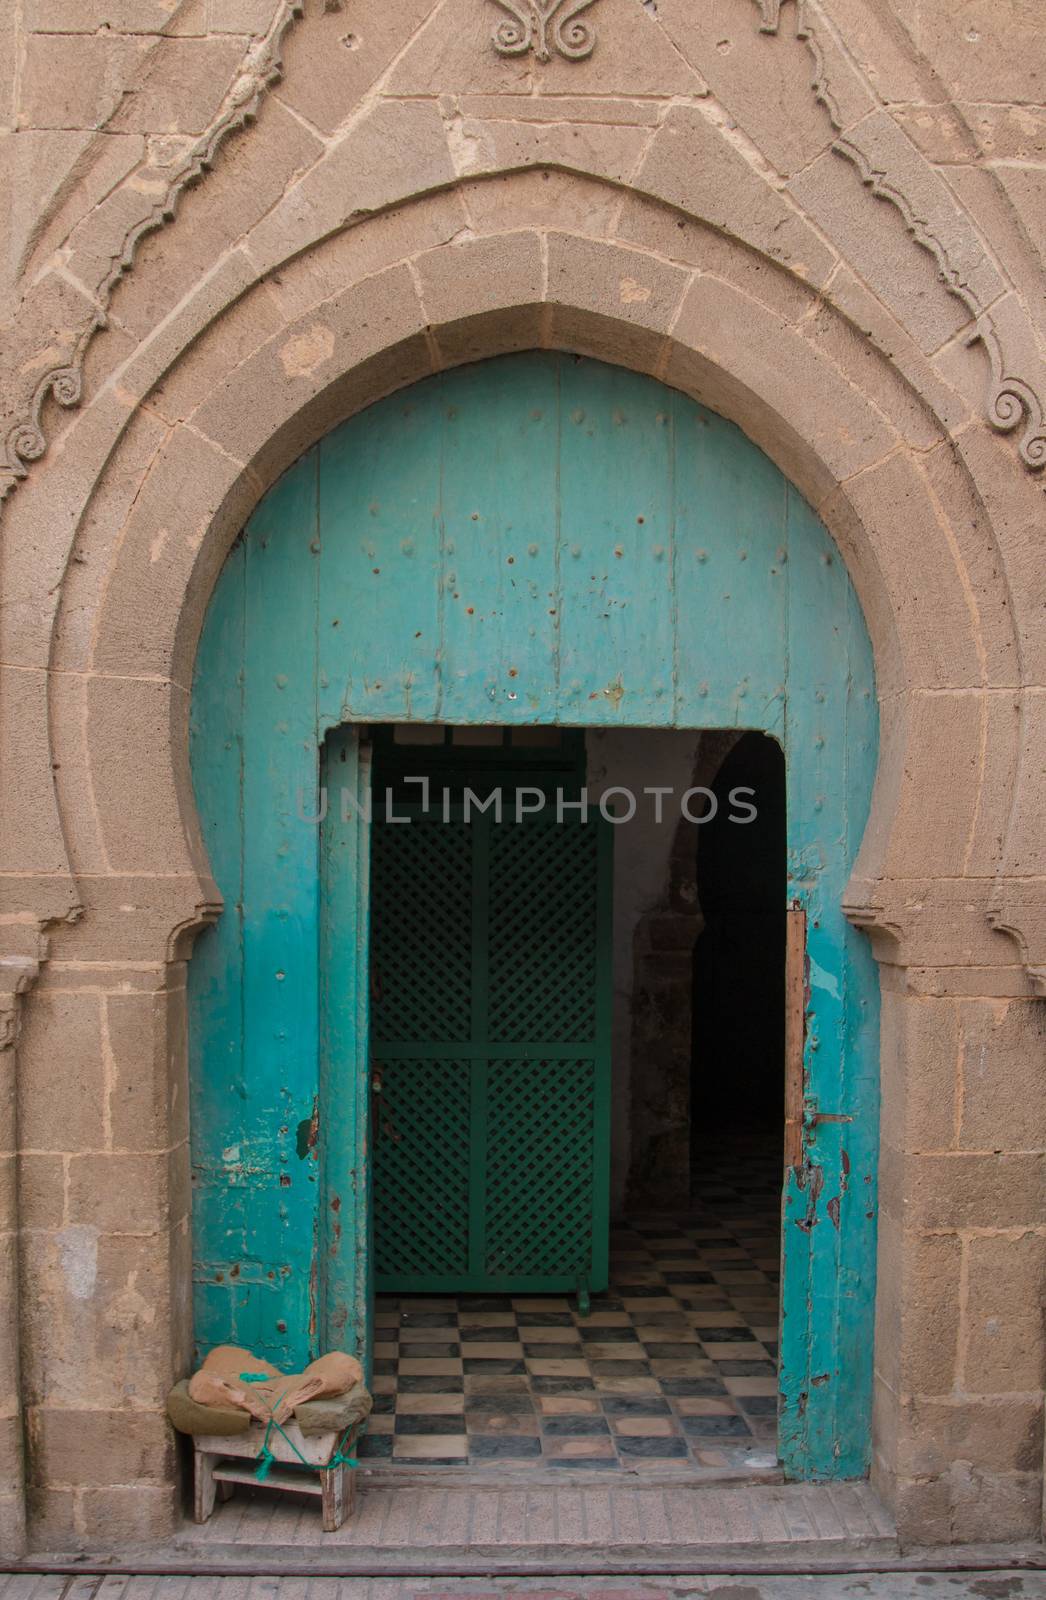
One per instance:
(545, 26)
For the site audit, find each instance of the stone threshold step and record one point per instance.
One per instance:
(578, 1527)
(672, 1475)
(477, 1561)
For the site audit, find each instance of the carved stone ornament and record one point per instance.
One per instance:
(262, 67)
(545, 26)
(1012, 403)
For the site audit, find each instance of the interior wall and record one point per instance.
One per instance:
(636, 759)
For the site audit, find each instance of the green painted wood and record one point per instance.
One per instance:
(830, 1205)
(215, 997)
(479, 1033)
(472, 550)
(281, 904)
(500, 550)
(732, 579)
(381, 538)
(254, 999)
(491, 938)
(344, 1258)
(618, 608)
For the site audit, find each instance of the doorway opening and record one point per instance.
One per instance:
(737, 1027)
(576, 1228)
(534, 539)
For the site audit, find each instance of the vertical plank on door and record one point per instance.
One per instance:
(860, 1057)
(380, 599)
(345, 1132)
(277, 1117)
(731, 577)
(829, 1215)
(616, 597)
(215, 990)
(795, 1036)
(499, 506)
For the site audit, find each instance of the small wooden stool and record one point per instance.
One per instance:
(220, 1462)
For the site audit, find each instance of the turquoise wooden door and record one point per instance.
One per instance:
(341, 1269)
(538, 539)
(490, 1059)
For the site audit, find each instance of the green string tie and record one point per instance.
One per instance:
(266, 1457)
(254, 1377)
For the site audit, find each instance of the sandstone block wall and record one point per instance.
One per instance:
(235, 222)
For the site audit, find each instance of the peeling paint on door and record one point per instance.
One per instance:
(535, 539)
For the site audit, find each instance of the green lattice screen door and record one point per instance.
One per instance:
(490, 1044)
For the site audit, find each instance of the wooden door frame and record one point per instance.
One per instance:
(344, 1260)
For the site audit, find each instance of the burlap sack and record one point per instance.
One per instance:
(224, 1380)
(338, 1371)
(334, 1413)
(330, 1375)
(289, 1391)
(221, 1382)
(188, 1416)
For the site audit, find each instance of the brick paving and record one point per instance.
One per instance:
(1002, 1585)
(676, 1363)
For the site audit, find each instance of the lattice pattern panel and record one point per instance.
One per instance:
(540, 1167)
(421, 932)
(543, 932)
(421, 1168)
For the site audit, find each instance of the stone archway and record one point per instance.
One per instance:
(723, 602)
(160, 470)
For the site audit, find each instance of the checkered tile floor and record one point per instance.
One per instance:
(675, 1363)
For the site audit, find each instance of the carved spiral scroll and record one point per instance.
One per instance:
(1011, 402)
(27, 440)
(514, 36)
(544, 26)
(575, 39)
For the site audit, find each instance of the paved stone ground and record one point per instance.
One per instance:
(1011, 1585)
(676, 1362)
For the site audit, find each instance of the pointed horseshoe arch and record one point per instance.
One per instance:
(537, 538)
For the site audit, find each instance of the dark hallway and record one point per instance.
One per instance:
(738, 1015)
